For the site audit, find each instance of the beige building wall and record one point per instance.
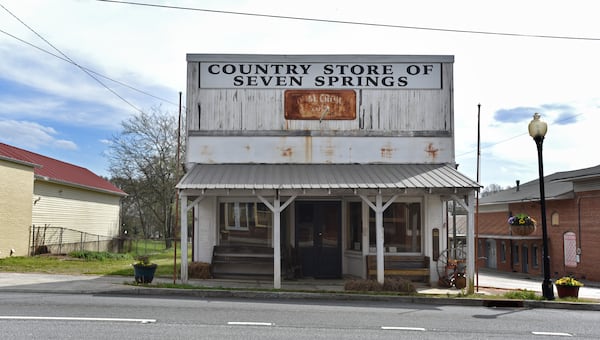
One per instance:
(16, 190)
(75, 208)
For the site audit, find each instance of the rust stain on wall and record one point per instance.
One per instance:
(206, 150)
(387, 151)
(432, 151)
(287, 152)
(328, 150)
(308, 149)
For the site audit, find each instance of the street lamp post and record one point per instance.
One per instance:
(537, 130)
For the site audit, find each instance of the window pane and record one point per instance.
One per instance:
(534, 255)
(401, 227)
(354, 226)
(245, 223)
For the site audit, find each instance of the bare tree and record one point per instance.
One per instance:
(143, 161)
(492, 188)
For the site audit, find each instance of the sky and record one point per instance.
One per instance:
(513, 58)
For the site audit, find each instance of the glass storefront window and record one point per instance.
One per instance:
(245, 223)
(401, 227)
(354, 226)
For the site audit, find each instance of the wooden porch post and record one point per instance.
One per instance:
(379, 238)
(468, 204)
(277, 208)
(277, 243)
(183, 231)
(379, 208)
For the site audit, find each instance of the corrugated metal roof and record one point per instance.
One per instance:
(57, 171)
(324, 176)
(577, 175)
(558, 185)
(530, 192)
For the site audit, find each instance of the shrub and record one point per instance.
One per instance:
(522, 295)
(97, 256)
(398, 285)
(199, 270)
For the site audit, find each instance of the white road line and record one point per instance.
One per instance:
(403, 328)
(57, 318)
(247, 323)
(551, 333)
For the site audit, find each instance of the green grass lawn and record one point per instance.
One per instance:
(95, 263)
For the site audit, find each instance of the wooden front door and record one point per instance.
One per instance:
(318, 238)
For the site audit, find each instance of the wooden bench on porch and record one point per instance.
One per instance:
(407, 266)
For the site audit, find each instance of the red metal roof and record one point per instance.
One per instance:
(53, 170)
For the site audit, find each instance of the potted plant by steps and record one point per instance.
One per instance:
(567, 287)
(460, 280)
(143, 270)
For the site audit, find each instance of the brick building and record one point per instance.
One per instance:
(573, 224)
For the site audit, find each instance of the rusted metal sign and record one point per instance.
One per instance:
(320, 104)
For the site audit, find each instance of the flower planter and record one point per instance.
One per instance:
(522, 230)
(460, 282)
(567, 291)
(521, 224)
(144, 273)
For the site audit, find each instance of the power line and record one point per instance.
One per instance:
(346, 22)
(88, 69)
(519, 135)
(72, 61)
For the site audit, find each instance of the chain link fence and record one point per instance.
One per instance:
(58, 240)
(48, 239)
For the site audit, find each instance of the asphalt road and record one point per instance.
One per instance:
(83, 316)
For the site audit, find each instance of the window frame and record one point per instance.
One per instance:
(419, 230)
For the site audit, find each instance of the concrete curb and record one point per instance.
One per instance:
(427, 300)
(307, 291)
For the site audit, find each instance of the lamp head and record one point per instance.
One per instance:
(537, 127)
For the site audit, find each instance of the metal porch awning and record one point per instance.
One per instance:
(325, 176)
(360, 179)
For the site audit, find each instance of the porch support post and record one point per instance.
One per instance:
(277, 208)
(196, 224)
(379, 208)
(379, 239)
(469, 207)
(277, 243)
(183, 231)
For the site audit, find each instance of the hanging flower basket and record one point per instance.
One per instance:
(522, 224)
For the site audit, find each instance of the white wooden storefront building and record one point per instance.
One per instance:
(366, 132)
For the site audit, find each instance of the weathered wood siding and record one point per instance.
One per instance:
(319, 149)
(16, 193)
(382, 110)
(249, 125)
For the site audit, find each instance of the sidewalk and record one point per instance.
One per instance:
(512, 281)
(490, 283)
